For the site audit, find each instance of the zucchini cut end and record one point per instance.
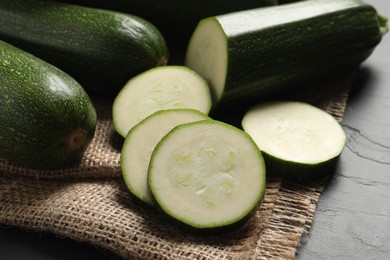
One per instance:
(207, 54)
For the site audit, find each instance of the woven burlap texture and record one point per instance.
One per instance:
(88, 202)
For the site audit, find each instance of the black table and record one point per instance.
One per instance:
(352, 220)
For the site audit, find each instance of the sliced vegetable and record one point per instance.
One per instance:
(101, 49)
(47, 120)
(168, 87)
(141, 141)
(297, 140)
(207, 175)
(252, 54)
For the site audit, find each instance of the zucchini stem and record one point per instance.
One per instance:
(163, 61)
(383, 23)
(76, 139)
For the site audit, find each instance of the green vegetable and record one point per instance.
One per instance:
(175, 17)
(47, 120)
(101, 49)
(250, 55)
(141, 141)
(167, 87)
(298, 141)
(207, 176)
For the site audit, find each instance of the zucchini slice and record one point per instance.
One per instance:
(167, 87)
(140, 143)
(250, 55)
(297, 140)
(207, 175)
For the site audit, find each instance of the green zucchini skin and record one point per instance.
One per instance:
(101, 49)
(272, 49)
(212, 231)
(175, 17)
(297, 171)
(47, 120)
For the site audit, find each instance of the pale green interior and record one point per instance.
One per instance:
(207, 54)
(295, 131)
(140, 143)
(169, 87)
(207, 175)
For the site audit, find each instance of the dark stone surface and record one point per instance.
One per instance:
(352, 220)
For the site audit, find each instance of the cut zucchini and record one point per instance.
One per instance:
(254, 54)
(207, 54)
(140, 143)
(297, 140)
(167, 87)
(207, 175)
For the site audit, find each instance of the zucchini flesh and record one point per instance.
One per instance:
(47, 120)
(207, 175)
(207, 54)
(101, 49)
(297, 140)
(262, 52)
(140, 143)
(167, 87)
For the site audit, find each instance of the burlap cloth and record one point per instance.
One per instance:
(88, 202)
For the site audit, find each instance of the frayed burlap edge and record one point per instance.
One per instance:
(101, 212)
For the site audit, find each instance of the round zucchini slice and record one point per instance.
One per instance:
(166, 87)
(140, 143)
(207, 175)
(297, 140)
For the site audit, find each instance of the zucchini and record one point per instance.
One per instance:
(47, 120)
(140, 143)
(177, 18)
(167, 87)
(250, 55)
(298, 141)
(101, 49)
(207, 176)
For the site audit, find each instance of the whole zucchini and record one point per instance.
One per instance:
(252, 54)
(47, 120)
(176, 18)
(101, 49)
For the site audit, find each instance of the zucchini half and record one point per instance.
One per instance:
(249, 55)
